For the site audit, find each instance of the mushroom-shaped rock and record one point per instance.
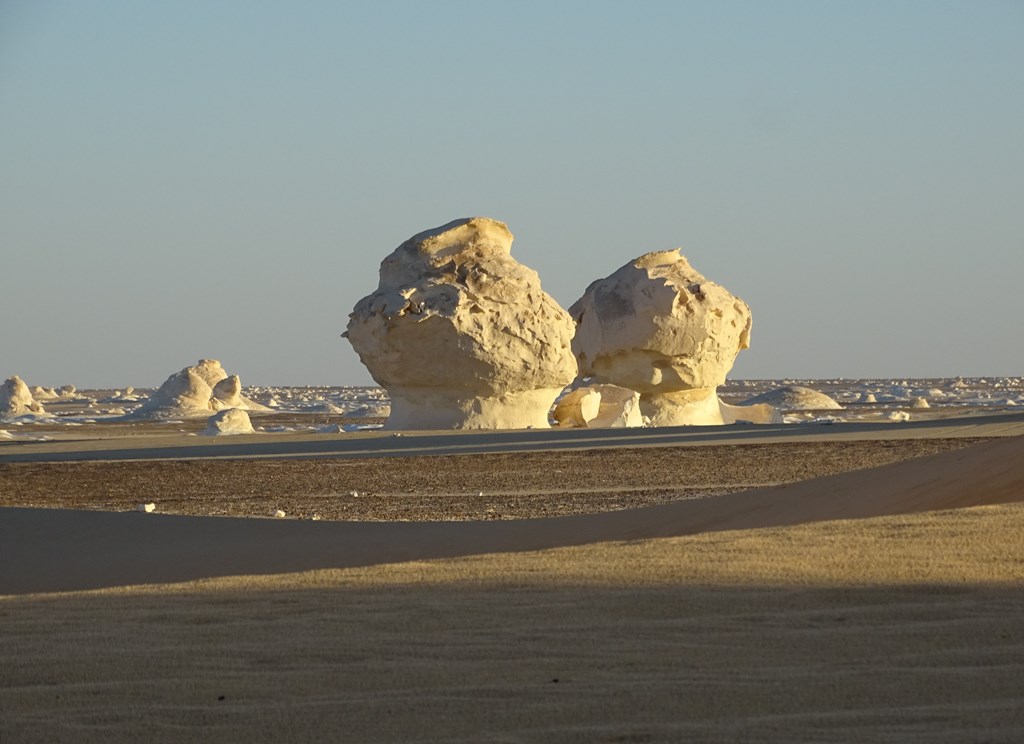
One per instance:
(461, 334)
(228, 422)
(659, 327)
(16, 399)
(600, 407)
(197, 391)
(794, 398)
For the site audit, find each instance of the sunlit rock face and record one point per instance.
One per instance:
(196, 391)
(461, 334)
(659, 327)
(16, 399)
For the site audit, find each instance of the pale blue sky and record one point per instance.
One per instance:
(222, 179)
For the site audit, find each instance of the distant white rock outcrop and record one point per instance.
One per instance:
(196, 391)
(16, 399)
(41, 393)
(659, 327)
(228, 422)
(794, 398)
(461, 335)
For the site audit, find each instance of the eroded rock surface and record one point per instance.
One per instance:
(461, 334)
(659, 327)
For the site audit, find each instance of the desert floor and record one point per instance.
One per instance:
(445, 487)
(783, 613)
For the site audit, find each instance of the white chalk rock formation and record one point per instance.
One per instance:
(16, 399)
(794, 398)
(461, 334)
(659, 327)
(228, 422)
(196, 391)
(600, 407)
(41, 393)
(920, 403)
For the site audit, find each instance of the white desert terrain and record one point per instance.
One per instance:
(782, 585)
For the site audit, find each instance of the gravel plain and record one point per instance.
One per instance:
(442, 488)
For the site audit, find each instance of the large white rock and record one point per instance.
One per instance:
(659, 327)
(228, 422)
(794, 398)
(16, 399)
(461, 334)
(600, 407)
(197, 391)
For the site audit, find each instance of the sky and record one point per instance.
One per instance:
(214, 179)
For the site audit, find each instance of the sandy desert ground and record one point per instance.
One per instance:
(850, 603)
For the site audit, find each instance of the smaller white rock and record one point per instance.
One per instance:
(279, 514)
(228, 422)
(600, 407)
(147, 508)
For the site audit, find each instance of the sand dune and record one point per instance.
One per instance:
(57, 550)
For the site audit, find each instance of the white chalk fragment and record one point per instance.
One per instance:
(279, 514)
(147, 508)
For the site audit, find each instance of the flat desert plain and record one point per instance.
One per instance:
(800, 591)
